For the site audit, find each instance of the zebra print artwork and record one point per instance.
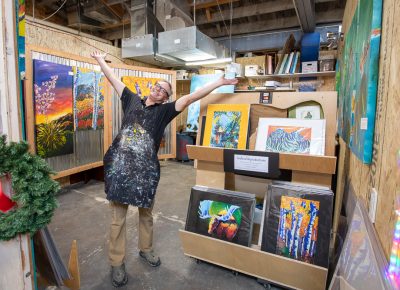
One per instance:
(288, 139)
(287, 135)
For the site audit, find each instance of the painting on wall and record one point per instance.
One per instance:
(221, 214)
(53, 102)
(359, 71)
(227, 126)
(196, 83)
(89, 89)
(291, 136)
(140, 85)
(297, 222)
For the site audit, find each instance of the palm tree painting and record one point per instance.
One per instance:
(227, 126)
(53, 104)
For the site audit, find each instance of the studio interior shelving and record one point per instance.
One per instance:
(295, 75)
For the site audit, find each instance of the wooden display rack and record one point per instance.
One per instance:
(308, 169)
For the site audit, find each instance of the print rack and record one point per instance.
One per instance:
(306, 169)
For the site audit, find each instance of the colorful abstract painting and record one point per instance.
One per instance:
(227, 126)
(298, 228)
(140, 85)
(304, 136)
(196, 83)
(359, 71)
(288, 139)
(221, 214)
(298, 222)
(221, 219)
(89, 89)
(53, 99)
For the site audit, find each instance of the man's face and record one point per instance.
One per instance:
(160, 92)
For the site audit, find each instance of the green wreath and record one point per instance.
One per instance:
(33, 190)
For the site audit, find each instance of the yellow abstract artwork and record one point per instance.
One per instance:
(227, 126)
(139, 85)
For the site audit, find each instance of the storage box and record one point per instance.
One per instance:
(327, 65)
(309, 66)
(251, 70)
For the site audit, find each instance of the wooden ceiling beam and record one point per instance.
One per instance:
(331, 16)
(111, 9)
(305, 10)
(247, 11)
(210, 4)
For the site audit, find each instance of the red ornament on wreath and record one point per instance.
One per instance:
(6, 203)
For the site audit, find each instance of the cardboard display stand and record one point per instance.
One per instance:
(307, 169)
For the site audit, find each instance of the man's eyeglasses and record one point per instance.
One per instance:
(159, 88)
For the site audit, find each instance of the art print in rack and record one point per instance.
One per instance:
(298, 228)
(53, 102)
(291, 136)
(140, 85)
(227, 126)
(221, 214)
(89, 89)
(220, 219)
(297, 222)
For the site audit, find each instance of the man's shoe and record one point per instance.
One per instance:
(152, 259)
(118, 276)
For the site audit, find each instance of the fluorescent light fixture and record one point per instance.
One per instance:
(210, 61)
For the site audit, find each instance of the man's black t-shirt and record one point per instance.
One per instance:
(131, 166)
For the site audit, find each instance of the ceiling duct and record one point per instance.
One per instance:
(142, 44)
(189, 44)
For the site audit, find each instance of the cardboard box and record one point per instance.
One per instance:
(309, 66)
(251, 70)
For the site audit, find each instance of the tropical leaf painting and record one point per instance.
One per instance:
(139, 85)
(88, 99)
(222, 219)
(53, 102)
(226, 126)
(298, 228)
(288, 139)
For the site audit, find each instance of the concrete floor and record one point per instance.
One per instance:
(84, 215)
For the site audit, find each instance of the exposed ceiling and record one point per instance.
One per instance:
(111, 19)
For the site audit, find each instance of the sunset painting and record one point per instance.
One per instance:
(53, 104)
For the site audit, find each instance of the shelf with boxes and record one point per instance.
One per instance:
(213, 174)
(294, 75)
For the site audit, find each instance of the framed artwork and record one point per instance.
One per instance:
(297, 222)
(197, 82)
(89, 89)
(221, 214)
(308, 110)
(227, 126)
(139, 85)
(53, 102)
(291, 135)
(358, 79)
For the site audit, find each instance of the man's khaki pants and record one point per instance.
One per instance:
(118, 232)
